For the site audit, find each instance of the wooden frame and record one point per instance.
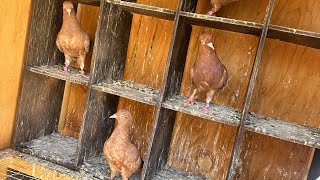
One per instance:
(106, 85)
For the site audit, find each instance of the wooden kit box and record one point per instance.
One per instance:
(264, 123)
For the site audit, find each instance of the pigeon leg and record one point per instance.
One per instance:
(66, 63)
(215, 8)
(82, 71)
(124, 177)
(208, 100)
(81, 64)
(191, 98)
(113, 172)
(211, 13)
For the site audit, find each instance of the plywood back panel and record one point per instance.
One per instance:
(298, 14)
(14, 17)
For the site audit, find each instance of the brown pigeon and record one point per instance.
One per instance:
(217, 4)
(207, 73)
(72, 40)
(122, 155)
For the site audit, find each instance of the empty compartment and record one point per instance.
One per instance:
(286, 90)
(135, 68)
(201, 147)
(51, 127)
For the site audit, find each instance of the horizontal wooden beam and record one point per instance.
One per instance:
(283, 130)
(130, 90)
(88, 2)
(56, 71)
(142, 9)
(218, 113)
(54, 148)
(227, 24)
(295, 36)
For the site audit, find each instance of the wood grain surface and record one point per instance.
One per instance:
(14, 17)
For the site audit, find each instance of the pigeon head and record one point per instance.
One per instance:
(206, 39)
(123, 117)
(68, 7)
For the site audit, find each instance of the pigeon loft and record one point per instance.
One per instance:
(264, 123)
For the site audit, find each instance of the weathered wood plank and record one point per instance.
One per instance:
(172, 173)
(162, 13)
(217, 113)
(98, 167)
(283, 130)
(46, 21)
(129, 90)
(55, 148)
(227, 24)
(39, 107)
(295, 36)
(56, 71)
(88, 2)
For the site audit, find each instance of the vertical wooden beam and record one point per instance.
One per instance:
(235, 157)
(109, 56)
(158, 147)
(41, 97)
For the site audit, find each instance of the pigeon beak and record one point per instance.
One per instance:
(113, 116)
(211, 45)
(69, 11)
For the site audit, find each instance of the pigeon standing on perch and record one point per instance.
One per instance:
(217, 4)
(72, 40)
(207, 73)
(122, 155)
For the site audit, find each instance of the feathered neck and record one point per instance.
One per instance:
(70, 19)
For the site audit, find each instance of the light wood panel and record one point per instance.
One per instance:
(298, 14)
(14, 16)
(75, 95)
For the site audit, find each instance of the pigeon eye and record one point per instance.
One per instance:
(202, 42)
(121, 116)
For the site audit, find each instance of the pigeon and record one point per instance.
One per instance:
(217, 4)
(72, 40)
(207, 73)
(122, 155)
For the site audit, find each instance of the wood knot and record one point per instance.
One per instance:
(205, 163)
